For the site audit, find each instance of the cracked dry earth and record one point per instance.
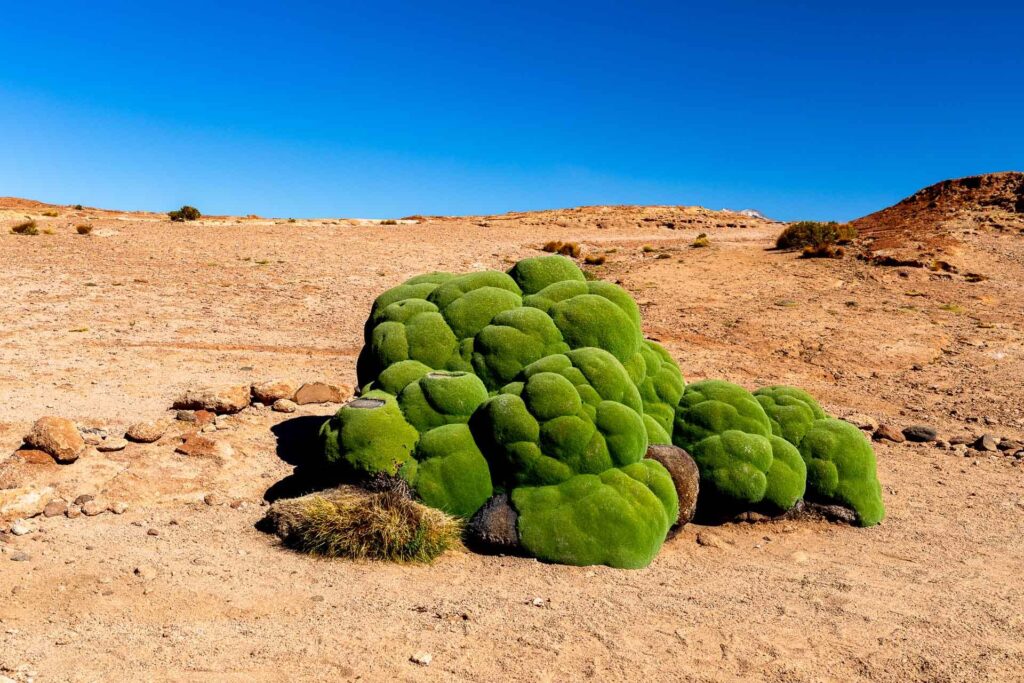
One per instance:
(108, 329)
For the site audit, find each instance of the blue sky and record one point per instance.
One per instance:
(800, 109)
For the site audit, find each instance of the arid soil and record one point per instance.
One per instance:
(108, 329)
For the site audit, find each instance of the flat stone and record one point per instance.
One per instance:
(20, 556)
(57, 436)
(111, 445)
(284, 405)
(20, 528)
(224, 399)
(422, 658)
(147, 431)
(1010, 446)
(986, 443)
(863, 421)
(93, 508)
(888, 433)
(709, 539)
(321, 392)
(55, 508)
(119, 507)
(920, 433)
(274, 390)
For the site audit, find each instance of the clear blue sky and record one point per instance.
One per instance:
(378, 109)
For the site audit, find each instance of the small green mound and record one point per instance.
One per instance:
(791, 411)
(368, 436)
(440, 398)
(354, 523)
(453, 474)
(841, 468)
(534, 274)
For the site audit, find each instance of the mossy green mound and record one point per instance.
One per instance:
(534, 274)
(440, 398)
(453, 475)
(841, 468)
(369, 436)
(514, 339)
(791, 411)
(662, 385)
(619, 517)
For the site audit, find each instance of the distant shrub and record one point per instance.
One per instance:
(822, 250)
(597, 260)
(291, 220)
(564, 248)
(50, 214)
(26, 228)
(647, 249)
(78, 207)
(185, 213)
(814, 233)
(701, 241)
(389, 221)
(84, 229)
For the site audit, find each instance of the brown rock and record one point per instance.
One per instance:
(888, 433)
(112, 444)
(284, 405)
(493, 527)
(199, 446)
(57, 436)
(863, 421)
(93, 507)
(225, 399)
(321, 392)
(685, 476)
(147, 431)
(274, 390)
(986, 443)
(74, 511)
(84, 498)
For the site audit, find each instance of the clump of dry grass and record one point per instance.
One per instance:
(50, 214)
(822, 250)
(564, 248)
(84, 229)
(359, 524)
(595, 260)
(701, 241)
(26, 228)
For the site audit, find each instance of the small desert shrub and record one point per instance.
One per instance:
(647, 249)
(48, 231)
(597, 260)
(355, 523)
(564, 248)
(185, 213)
(389, 221)
(83, 229)
(813, 233)
(78, 207)
(50, 214)
(701, 241)
(26, 228)
(822, 250)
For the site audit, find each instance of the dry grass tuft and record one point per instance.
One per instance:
(597, 260)
(814, 233)
(823, 250)
(26, 228)
(571, 249)
(83, 229)
(701, 241)
(359, 524)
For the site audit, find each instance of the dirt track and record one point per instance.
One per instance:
(107, 329)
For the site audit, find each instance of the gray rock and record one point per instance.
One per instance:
(1010, 446)
(111, 445)
(920, 433)
(493, 527)
(986, 443)
(20, 556)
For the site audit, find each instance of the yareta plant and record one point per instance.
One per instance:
(532, 396)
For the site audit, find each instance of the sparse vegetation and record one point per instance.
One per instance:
(647, 249)
(823, 250)
(26, 228)
(50, 214)
(83, 229)
(185, 213)
(358, 524)
(595, 260)
(701, 241)
(564, 248)
(389, 221)
(78, 207)
(814, 233)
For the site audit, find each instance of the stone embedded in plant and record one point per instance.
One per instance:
(791, 411)
(841, 468)
(619, 517)
(369, 435)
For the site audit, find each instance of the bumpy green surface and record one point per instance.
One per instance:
(790, 411)
(534, 274)
(841, 468)
(368, 440)
(453, 475)
(440, 398)
(514, 339)
(662, 385)
(730, 437)
(619, 517)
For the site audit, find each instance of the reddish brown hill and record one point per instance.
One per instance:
(935, 218)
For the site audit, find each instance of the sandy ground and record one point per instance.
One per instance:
(108, 329)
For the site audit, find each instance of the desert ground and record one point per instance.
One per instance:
(108, 329)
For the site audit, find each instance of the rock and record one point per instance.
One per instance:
(1010, 446)
(710, 540)
(119, 508)
(920, 433)
(321, 392)
(225, 399)
(274, 390)
(863, 421)
(145, 572)
(284, 405)
(493, 527)
(74, 511)
(112, 445)
(57, 436)
(203, 417)
(20, 528)
(888, 433)
(962, 439)
(422, 658)
(55, 508)
(152, 532)
(800, 557)
(185, 416)
(84, 498)
(685, 476)
(986, 443)
(20, 556)
(93, 507)
(222, 422)
(147, 431)
(199, 446)
(214, 499)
